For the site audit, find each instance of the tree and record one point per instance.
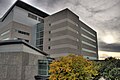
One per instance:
(72, 67)
(110, 68)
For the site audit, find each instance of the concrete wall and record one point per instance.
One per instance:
(18, 66)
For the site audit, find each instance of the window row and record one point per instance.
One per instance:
(88, 31)
(43, 67)
(23, 39)
(39, 35)
(39, 41)
(40, 47)
(40, 27)
(35, 17)
(64, 20)
(86, 43)
(88, 37)
(22, 32)
(4, 33)
(87, 50)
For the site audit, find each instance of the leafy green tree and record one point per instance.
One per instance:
(72, 67)
(110, 68)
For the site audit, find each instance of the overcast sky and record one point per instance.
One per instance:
(101, 15)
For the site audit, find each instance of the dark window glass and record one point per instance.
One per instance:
(40, 47)
(49, 24)
(32, 16)
(23, 39)
(40, 27)
(49, 32)
(49, 39)
(39, 34)
(42, 67)
(22, 32)
(39, 41)
(41, 20)
(48, 47)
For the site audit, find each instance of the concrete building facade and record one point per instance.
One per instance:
(58, 35)
(27, 34)
(20, 22)
(65, 34)
(19, 60)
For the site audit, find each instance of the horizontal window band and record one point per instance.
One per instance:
(89, 57)
(63, 37)
(64, 28)
(86, 43)
(63, 20)
(88, 32)
(5, 39)
(88, 37)
(87, 50)
(4, 33)
(63, 45)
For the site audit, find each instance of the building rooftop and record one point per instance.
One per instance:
(27, 7)
(17, 42)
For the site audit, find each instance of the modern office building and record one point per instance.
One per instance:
(20, 22)
(28, 36)
(65, 34)
(58, 35)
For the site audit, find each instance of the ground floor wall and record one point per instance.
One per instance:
(18, 65)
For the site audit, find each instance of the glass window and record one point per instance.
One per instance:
(4, 33)
(49, 32)
(49, 39)
(40, 27)
(49, 24)
(39, 41)
(42, 67)
(23, 39)
(39, 34)
(87, 50)
(88, 31)
(89, 44)
(40, 47)
(90, 57)
(48, 47)
(32, 16)
(41, 20)
(88, 37)
(22, 32)
(6, 39)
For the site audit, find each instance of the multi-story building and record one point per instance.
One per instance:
(20, 22)
(59, 34)
(65, 34)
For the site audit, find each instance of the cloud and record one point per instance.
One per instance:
(4, 5)
(109, 47)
